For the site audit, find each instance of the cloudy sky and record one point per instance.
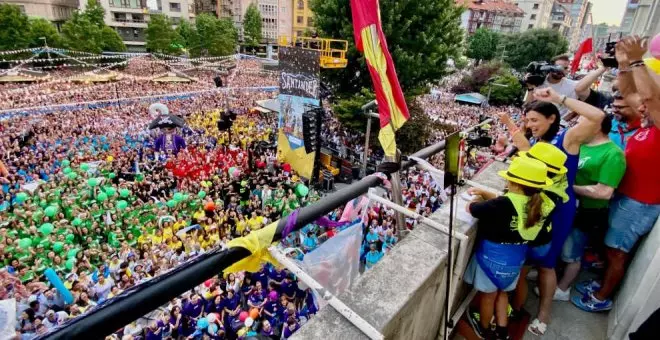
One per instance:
(608, 11)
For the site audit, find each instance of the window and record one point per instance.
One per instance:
(536, 6)
(530, 26)
(300, 20)
(533, 17)
(283, 9)
(301, 4)
(136, 33)
(138, 17)
(175, 7)
(125, 3)
(175, 20)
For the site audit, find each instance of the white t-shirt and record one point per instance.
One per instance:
(565, 87)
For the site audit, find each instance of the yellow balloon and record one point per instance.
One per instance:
(110, 159)
(653, 64)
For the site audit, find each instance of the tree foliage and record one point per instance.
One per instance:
(40, 27)
(14, 28)
(533, 45)
(417, 131)
(86, 31)
(217, 37)
(482, 45)
(161, 37)
(349, 110)
(503, 95)
(252, 26)
(189, 37)
(421, 35)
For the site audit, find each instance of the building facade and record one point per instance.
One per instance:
(604, 33)
(580, 11)
(642, 17)
(560, 20)
(496, 15)
(57, 11)
(275, 16)
(302, 19)
(538, 13)
(130, 17)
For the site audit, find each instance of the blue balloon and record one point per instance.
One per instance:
(202, 323)
(59, 285)
(213, 329)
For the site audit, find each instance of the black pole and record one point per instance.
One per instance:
(452, 193)
(316, 172)
(134, 303)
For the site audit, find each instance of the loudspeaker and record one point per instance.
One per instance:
(309, 131)
(218, 81)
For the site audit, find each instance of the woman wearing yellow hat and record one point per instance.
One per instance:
(506, 225)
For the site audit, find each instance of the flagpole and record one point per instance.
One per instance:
(593, 38)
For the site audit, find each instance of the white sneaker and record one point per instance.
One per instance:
(533, 275)
(560, 295)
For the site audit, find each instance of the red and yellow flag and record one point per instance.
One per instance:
(370, 40)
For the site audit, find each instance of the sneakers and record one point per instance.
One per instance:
(473, 319)
(560, 295)
(587, 287)
(589, 303)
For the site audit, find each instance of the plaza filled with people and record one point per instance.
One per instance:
(95, 202)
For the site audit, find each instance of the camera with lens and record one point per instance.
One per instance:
(480, 136)
(609, 60)
(537, 71)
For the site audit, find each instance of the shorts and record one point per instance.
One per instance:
(629, 220)
(536, 255)
(476, 276)
(589, 225)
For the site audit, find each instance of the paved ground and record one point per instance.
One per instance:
(569, 322)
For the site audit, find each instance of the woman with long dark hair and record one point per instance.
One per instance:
(542, 123)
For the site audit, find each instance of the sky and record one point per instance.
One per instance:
(608, 11)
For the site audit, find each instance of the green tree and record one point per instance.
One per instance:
(14, 28)
(95, 12)
(533, 45)
(188, 34)
(500, 95)
(111, 41)
(349, 110)
(421, 36)
(416, 132)
(161, 37)
(252, 26)
(482, 45)
(42, 28)
(81, 34)
(216, 37)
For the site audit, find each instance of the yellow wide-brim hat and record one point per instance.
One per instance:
(528, 172)
(549, 154)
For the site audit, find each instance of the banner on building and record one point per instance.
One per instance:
(299, 92)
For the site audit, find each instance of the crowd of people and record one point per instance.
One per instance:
(576, 188)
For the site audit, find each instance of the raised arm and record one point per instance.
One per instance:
(517, 133)
(582, 88)
(588, 125)
(647, 87)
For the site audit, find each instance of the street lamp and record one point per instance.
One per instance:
(491, 82)
(45, 46)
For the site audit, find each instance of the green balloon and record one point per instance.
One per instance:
(112, 175)
(58, 247)
(66, 163)
(102, 196)
(76, 222)
(186, 197)
(121, 205)
(67, 170)
(92, 182)
(124, 193)
(171, 203)
(301, 190)
(25, 243)
(72, 253)
(46, 228)
(139, 177)
(84, 167)
(72, 175)
(70, 263)
(110, 191)
(69, 238)
(178, 197)
(51, 211)
(21, 197)
(201, 194)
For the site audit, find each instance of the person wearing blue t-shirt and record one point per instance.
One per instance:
(373, 256)
(627, 121)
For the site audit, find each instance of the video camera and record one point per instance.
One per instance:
(537, 71)
(479, 136)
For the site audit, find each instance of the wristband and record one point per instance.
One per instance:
(563, 99)
(637, 63)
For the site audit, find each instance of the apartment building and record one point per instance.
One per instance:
(273, 12)
(642, 17)
(580, 10)
(538, 13)
(560, 20)
(497, 15)
(130, 17)
(302, 19)
(57, 11)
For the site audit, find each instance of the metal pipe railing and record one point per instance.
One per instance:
(144, 298)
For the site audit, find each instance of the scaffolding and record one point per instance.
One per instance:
(333, 51)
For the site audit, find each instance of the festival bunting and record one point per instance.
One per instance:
(370, 40)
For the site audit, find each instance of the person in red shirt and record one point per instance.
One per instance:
(636, 207)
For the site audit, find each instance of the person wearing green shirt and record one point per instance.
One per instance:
(601, 168)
